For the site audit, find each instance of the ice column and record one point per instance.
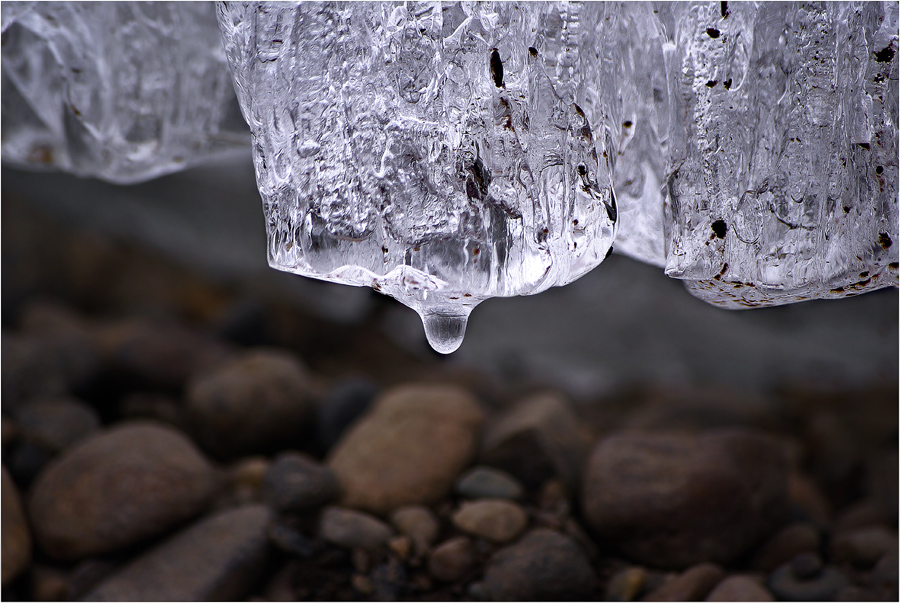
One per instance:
(439, 153)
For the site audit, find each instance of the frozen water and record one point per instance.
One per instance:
(782, 167)
(445, 153)
(123, 91)
(440, 153)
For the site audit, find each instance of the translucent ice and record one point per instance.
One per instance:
(439, 153)
(124, 91)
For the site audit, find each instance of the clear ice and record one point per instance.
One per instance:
(445, 153)
(124, 91)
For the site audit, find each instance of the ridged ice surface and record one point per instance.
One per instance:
(440, 153)
(782, 166)
(124, 91)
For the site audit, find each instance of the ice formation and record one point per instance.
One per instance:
(123, 91)
(444, 153)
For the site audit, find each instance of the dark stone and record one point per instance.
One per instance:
(56, 423)
(674, 500)
(739, 588)
(217, 559)
(787, 543)
(453, 560)
(295, 483)
(542, 566)
(692, 585)
(800, 582)
(486, 482)
(346, 402)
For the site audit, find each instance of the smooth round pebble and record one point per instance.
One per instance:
(487, 482)
(452, 560)
(692, 585)
(353, 529)
(496, 520)
(118, 488)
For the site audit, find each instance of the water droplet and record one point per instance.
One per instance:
(445, 332)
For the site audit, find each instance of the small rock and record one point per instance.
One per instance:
(675, 500)
(353, 529)
(453, 560)
(692, 585)
(884, 577)
(408, 449)
(863, 546)
(295, 483)
(346, 402)
(486, 482)
(419, 523)
(255, 404)
(496, 520)
(118, 488)
(55, 423)
(145, 354)
(401, 547)
(216, 559)
(542, 565)
(537, 439)
(16, 538)
(804, 579)
(627, 584)
(790, 541)
(247, 476)
(739, 588)
(48, 584)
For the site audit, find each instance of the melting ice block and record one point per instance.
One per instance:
(439, 153)
(124, 91)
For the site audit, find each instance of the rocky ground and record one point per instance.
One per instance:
(166, 438)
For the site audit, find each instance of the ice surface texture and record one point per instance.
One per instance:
(439, 153)
(124, 91)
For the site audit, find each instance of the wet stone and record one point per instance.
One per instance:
(486, 482)
(542, 565)
(496, 520)
(804, 579)
(216, 559)
(296, 482)
(453, 560)
(352, 529)
(118, 488)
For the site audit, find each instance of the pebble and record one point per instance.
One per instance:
(536, 440)
(739, 588)
(255, 404)
(804, 579)
(296, 482)
(217, 559)
(289, 539)
(542, 565)
(453, 560)
(626, 584)
(55, 423)
(401, 547)
(419, 523)
(408, 449)
(693, 585)
(496, 520)
(863, 547)
(48, 583)
(16, 539)
(352, 529)
(787, 543)
(861, 514)
(672, 501)
(344, 404)
(118, 488)
(486, 482)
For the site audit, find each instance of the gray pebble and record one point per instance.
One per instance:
(295, 482)
(487, 482)
(353, 529)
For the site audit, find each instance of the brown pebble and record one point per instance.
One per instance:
(452, 560)
(791, 540)
(693, 585)
(48, 583)
(401, 547)
(627, 584)
(739, 588)
(352, 529)
(419, 523)
(495, 520)
(863, 546)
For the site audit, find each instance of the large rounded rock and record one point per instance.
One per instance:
(118, 488)
(676, 500)
(544, 566)
(15, 535)
(258, 403)
(408, 449)
(217, 559)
